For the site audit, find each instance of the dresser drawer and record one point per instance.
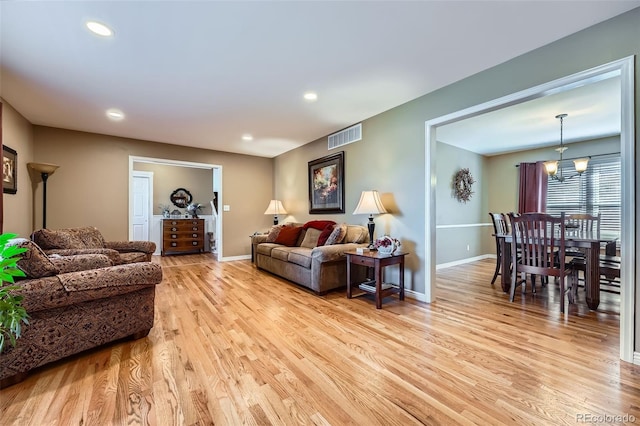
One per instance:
(182, 236)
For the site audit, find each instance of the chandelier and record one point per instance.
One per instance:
(552, 166)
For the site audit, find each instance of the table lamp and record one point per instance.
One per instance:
(275, 208)
(370, 204)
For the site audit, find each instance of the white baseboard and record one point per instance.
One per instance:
(463, 261)
(636, 358)
(232, 258)
(420, 297)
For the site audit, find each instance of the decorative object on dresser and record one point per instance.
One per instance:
(370, 204)
(275, 208)
(182, 236)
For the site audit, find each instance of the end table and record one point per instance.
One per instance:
(372, 259)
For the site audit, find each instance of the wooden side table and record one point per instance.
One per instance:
(373, 259)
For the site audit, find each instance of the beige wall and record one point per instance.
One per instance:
(17, 133)
(91, 186)
(168, 178)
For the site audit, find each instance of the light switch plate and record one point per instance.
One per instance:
(226, 207)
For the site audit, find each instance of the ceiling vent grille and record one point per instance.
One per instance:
(346, 136)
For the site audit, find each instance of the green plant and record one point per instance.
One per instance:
(12, 314)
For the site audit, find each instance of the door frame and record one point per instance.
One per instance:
(628, 276)
(216, 171)
(149, 175)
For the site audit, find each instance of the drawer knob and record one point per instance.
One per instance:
(174, 229)
(174, 244)
(174, 236)
(195, 243)
(174, 223)
(195, 228)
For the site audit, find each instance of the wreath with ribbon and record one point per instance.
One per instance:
(462, 182)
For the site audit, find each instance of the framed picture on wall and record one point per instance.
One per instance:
(326, 184)
(9, 170)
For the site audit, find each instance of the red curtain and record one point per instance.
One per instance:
(1, 193)
(532, 193)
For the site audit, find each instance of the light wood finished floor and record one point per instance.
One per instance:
(232, 345)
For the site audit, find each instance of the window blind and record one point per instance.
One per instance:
(596, 191)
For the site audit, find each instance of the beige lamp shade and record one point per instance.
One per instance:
(581, 164)
(43, 167)
(275, 208)
(369, 204)
(551, 167)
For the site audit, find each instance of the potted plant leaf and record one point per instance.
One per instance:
(12, 314)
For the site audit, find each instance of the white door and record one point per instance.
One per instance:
(140, 201)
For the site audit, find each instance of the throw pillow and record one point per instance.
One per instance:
(324, 235)
(318, 224)
(288, 236)
(34, 262)
(273, 233)
(337, 235)
(356, 234)
(311, 238)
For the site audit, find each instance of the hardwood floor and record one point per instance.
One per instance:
(234, 345)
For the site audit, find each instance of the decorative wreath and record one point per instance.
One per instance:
(462, 182)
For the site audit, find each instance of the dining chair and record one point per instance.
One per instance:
(537, 237)
(581, 223)
(610, 265)
(500, 226)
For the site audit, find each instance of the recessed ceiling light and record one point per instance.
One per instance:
(99, 29)
(115, 114)
(311, 96)
(247, 137)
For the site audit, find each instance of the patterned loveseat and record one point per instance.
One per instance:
(310, 254)
(76, 303)
(89, 240)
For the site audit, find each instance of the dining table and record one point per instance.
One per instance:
(589, 242)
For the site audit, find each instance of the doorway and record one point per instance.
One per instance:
(627, 151)
(213, 222)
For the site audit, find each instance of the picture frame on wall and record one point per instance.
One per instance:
(9, 170)
(326, 184)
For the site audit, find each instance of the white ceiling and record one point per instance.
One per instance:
(593, 111)
(203, 73)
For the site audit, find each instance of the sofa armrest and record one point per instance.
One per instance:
(259, 238)
(50, 292)
(80, 262)
(333, 252)
(130, 246)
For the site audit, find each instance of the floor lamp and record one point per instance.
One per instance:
(45, 171)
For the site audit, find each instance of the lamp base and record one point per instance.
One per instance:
(372, 227)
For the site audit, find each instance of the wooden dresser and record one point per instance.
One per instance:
(182, 236)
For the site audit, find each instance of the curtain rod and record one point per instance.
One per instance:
(589, 156)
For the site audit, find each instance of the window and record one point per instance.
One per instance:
(596, 191)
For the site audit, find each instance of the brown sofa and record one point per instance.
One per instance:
(89, 240)
(319, 268)
(77, 303)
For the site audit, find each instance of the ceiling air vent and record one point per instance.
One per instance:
(346, 136)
